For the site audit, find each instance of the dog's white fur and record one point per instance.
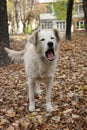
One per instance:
(37, 66)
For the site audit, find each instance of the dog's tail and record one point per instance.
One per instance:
(15, 55)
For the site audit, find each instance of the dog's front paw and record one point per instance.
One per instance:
(31, 108)
(38, 92)
(49, 108)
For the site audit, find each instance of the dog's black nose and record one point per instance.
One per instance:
(50, 44)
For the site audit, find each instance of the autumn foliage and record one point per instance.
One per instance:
(69, 93)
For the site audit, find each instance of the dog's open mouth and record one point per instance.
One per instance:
(50, 54)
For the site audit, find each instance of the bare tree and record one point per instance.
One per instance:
(69, 19)
(24, 10)
(4, 36)
(16, 12)
(29, 11)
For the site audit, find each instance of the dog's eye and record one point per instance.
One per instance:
(42, 39)
(52, 37)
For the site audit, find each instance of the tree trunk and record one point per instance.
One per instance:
(4, 36)
(16, 13)
(85, 12)
(69, 20)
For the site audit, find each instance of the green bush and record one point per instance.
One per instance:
(28, 29)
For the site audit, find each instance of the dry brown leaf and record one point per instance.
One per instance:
(3, 121)
(66, 128)
(24, 124)
(84, 88)
(10, 128)
(67, 111)
(75, 116)
(11, 113)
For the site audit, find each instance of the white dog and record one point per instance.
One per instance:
(40, 59)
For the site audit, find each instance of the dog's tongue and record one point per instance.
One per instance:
(50, 55)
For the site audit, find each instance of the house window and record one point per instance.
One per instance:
(78, 8)
(48, 9)
(43, 24)
(61, 26)
(46, 25)
(79, 25)
(49, 25)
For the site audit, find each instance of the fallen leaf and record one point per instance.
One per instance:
(11, 113)
(84, 88)
(67, 111)
(75, 116)
(66, 128)
(10, 128)
(24, 124)
(3, 121)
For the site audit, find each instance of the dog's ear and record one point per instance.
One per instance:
(34, 37)
(57, 34)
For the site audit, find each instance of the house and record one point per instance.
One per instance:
(78, 17)
(49, 20)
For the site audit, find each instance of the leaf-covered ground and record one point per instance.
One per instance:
(69, 93)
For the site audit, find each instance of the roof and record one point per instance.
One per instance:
(46, 1)
(47, 16)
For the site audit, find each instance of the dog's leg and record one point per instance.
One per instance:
(31, 95)
(48, 95)
(38, 91)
